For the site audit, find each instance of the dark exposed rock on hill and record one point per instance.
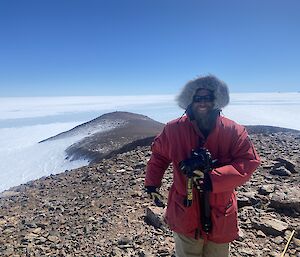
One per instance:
(101, 210)
(110, 134)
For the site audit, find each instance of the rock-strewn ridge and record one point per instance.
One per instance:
(100, 210)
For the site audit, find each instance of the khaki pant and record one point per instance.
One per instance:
(190, 247)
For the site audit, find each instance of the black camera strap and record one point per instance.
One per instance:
(204, 195)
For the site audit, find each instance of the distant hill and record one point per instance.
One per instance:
(110, 134)
(263, 129)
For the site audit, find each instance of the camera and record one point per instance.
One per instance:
(199, 160)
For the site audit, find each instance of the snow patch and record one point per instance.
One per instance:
(24, 159)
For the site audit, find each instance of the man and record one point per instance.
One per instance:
(213, 152)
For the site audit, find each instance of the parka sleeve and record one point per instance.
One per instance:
(244, 161)
(159, 160)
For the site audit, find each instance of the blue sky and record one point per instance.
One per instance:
(133, 47)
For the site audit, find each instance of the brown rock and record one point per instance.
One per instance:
(54, 239)
(291, 166)
(270, 226)
(266, 189)
(287, 201)
(154, 215)
(280, 171)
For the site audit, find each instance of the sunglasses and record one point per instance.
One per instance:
(203, 98)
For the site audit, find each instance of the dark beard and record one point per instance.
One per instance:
(207, 122)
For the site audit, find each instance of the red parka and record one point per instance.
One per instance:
(237, 159)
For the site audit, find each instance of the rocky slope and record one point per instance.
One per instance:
(101, 210)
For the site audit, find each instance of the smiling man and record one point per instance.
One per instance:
(211, 156)
(203, 110)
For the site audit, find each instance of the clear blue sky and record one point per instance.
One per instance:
(125, 47)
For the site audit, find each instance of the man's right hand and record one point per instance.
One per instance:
(153, 192)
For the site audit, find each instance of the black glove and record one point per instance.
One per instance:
(152, 191)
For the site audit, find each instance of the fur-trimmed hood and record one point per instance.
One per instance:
(210, 82)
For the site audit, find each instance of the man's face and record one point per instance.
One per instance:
(203, 103)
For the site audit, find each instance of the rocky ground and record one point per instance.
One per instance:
(101, 210)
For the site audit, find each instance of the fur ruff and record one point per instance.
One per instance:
(210, 82)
